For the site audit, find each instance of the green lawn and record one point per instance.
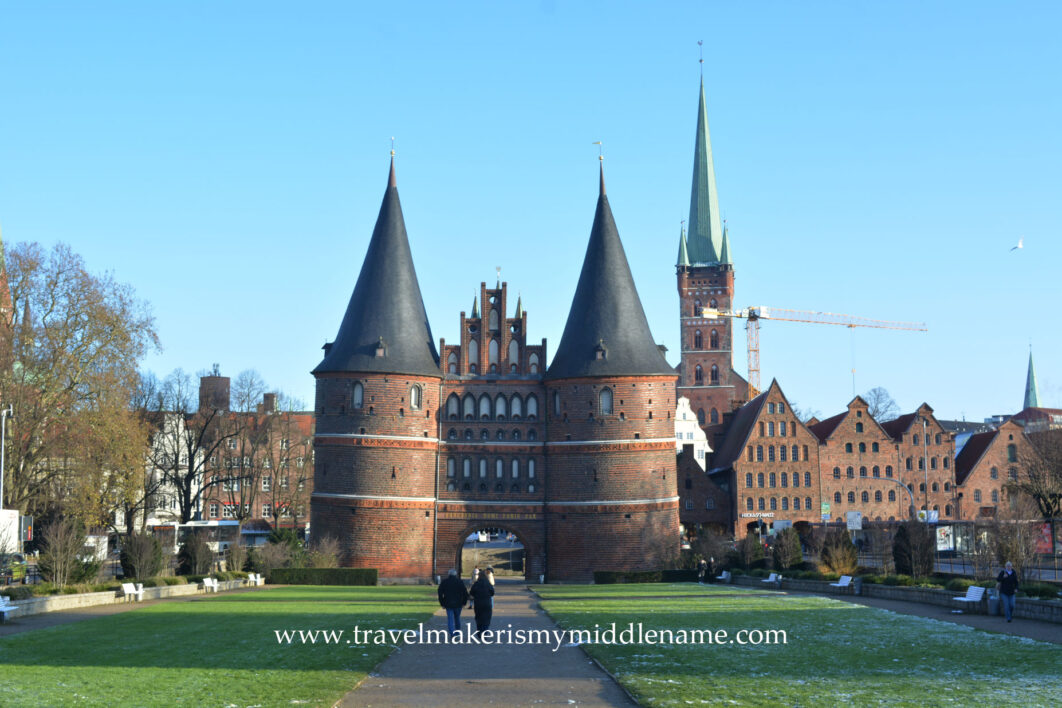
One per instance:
(837, 652)
(219, 651)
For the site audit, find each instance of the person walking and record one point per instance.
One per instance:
(452, 596)
(490, 579)
(483, 596)
(475, 577)
(1007, 585)
(702, 568)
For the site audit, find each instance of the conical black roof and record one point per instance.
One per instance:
(385, 328)
(607, 333)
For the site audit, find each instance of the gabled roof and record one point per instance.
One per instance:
(824, 429)
(607, 333)
(971, 454)
(899, 425)
(738, 433)
(385, 328)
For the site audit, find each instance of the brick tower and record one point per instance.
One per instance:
(610, 494)
(706, 280)
(377, 394)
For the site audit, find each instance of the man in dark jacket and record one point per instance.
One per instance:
(482, 598)
(453, 595)
(1007, 584)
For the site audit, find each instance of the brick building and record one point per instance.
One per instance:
(414, 450)
(985, 465)
(925, 451)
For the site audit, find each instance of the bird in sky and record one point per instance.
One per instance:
(1021, 242)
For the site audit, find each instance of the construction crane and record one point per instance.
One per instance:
(753, 315)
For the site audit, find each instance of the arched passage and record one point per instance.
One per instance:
(524, 557)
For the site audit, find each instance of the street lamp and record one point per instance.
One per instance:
(925, 466)
(4, 414)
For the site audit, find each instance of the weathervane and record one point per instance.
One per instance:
(700, 51)
(392, 146)
(600, 150)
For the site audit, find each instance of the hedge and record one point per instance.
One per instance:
(323, 576)
(608, 577)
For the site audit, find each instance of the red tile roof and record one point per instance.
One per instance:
(971, 453)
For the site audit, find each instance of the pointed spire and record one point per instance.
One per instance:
(385, 328)
(724, 254)
(519, 307)
(1032, 396)
(683, 256)
(607, 333)
(601, 193)
(705, 233)
(475, 307)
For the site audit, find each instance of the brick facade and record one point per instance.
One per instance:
(987, 463)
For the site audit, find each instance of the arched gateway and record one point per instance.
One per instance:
(411, 456)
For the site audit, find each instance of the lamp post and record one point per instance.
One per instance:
(925, 466)
(4, 414)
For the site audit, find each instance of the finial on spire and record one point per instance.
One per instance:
(391, 181)
(700, 51)
(601, 161)
(498, 271)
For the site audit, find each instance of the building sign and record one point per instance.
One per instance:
(854, 519)
(1043, 539)
(825, 508)
(945, 538)
(932, 516)
(758, 515)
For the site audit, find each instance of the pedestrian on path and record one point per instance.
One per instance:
(475, 577)
(702, 568)
(490, 578)
(483, 597)
(1007, 585)
(453, 595)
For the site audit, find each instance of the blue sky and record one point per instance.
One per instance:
(228, 161)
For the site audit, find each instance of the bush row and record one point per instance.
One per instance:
(323, 576)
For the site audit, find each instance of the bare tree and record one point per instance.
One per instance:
(1040, 473)
(1014, 533)
(804, 414)
(63, 540)
(880, 404)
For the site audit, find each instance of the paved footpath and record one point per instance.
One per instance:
(459, 676)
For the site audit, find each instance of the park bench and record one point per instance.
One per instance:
(6, 608)
(724, 577)
(844, 582)
(210, 584)
(975, 594)
(255, 579)
(132, 592)
(773, 578)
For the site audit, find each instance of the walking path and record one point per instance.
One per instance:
(459, 676)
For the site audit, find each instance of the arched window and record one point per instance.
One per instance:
(759, 503)
(532, 407)
(1012, 453)
(849, 473)
(876, 471)
(415, 397)
(499, 469)
(466, 468)
(715, 374)
(468, 433)
(874, 447)
(796, 452)
(516, 408)
(862, 447)
(748, 479)
(452, 435)
(877, 496)
(851, 497)
(937, 439)
(358, 397)
(484, 435)
(516, 435)
(499, 435)
(698, 375)
(451, 363)
(907, 463)
(482, 468)
(493, 352)
(530, 470)
(514, 352)
(865, 497)
(892, 495)
(995, 496)
(484, 407)
(492, 319)
(748, 503)
(473, 352)
(606, 401)
(532, 363)
(862, 471)
(859, 427)
(530, 489)
(785, 503)
(796, 479)
(932, 463)
(532, 435)
(556, 403)
(772, 480)
(947, 510)
(947, 486)
(796, 503)
(713, 339)
(515, 488)
(759, 454)
(977, 496)
(888, 470)
(499, 487)
(469, 407)
(698, 342)
(785, 478)
(836, 497)
(759, 480)
(516, 469)
(713, 416)
(848, 447)
(696, 308)
(453, 407)
(700, 416)
(482, 487)
(770, 453)
(807, 481)
(713, 304)
(500, 407)
(451, 467)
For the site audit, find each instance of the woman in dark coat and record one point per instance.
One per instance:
(481, 593)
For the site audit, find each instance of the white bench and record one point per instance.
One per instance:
(773, 578)
(132, 592)
(844, 582)
(255, 579)
(974, 595)
(6, 608)
(724, 577)
(210, 584)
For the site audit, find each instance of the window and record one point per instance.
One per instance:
(977, 496)
(267, 511)
(807, 483)
(805, 454)
(848, 447)
(865, 496)
(227, 511)
(232, 443)
(484, 407)
(994, 473)
(714, 416)
(946, 463)
(697, 340)
(759, 480)
(876, 471)
(849, 473)
(874, 447)
(781, 409)
(892, 495)
(859, 427)
(285, 444)
(482, 468)
(451, 468)
(451, 363)
(415, 395)
(1012, 453)
(358, 398)
(851, 497)
(214, 510)
(772, 480)
(473, 355)
(530, 489)
(937, 439)
(796, 455)
(748, 504)
(453, 407)
(770, 408)
(700, 416)
(606, 401)
(932, 463)
(862, 471)
(914, 440)
(836, 472)
(514, 354)
(451, 487)
(907, 462)
(762, 429)
(713, 304)
(698, 375)
(532, 364)
(995, 496)
(516, 408)
(796, 503)
(796, 479)
(807, 503)
(468, 407)
(862, 447)
(532, 407)
(1012, 473)
(466, 468)
(785, 503)
(556, 403)
(781, 453)
(785, 478)
(713, 339)
(501, 407)
(530, 470)
(935, 487)
(748, 479)
(781, 429)
(715, 374)
(760, 504)
(770, 453)
(689, 502)
(877, 496)
(770, 430)
(499, 469)
(921, 463)
(267, 483)
(774, 504)
(888, 470)
(709, 503)
(837, 497)
(759, 453)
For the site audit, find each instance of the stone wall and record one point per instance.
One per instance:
(53, 603)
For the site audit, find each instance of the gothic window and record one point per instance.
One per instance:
(713, 339)
(453, 407)
(493, 319)
(517, 408)
(482, 487)
(493, 352)
(514, 352)
(359, 395)
(715, 374)
(698, 375)
(500, 407)
(415, 395)
(499, 435)
(714, 416)
(482, 468)
(530, 469)
(499, 487)
(451, 363)
(499, 469)
(532, 407)
(700, 416)
(473, 352)
(466, 468)
(606, 401)
(484, 407)
(469, 407)
(532, 363)
(698, 342)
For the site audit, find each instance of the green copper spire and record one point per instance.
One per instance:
(519, 308)
(706, 234)
(683, 256)
(1032, 398)
(475, 306)
(724, 254)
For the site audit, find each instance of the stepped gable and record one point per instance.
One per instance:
(385, 328)
(607, 333)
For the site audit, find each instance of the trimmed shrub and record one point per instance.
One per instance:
(1044, 591)
(141, 556)
(786, 550)
(195, 555)
(913, 549)
(871, 579)
(901, 580)
(678, 576)
(326, 576)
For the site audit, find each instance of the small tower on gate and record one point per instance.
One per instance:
(610, 498)
(377, 394)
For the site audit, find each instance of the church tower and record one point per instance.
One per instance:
(610, 495)
(1032, 395)
(377, 396)
(706, 281)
